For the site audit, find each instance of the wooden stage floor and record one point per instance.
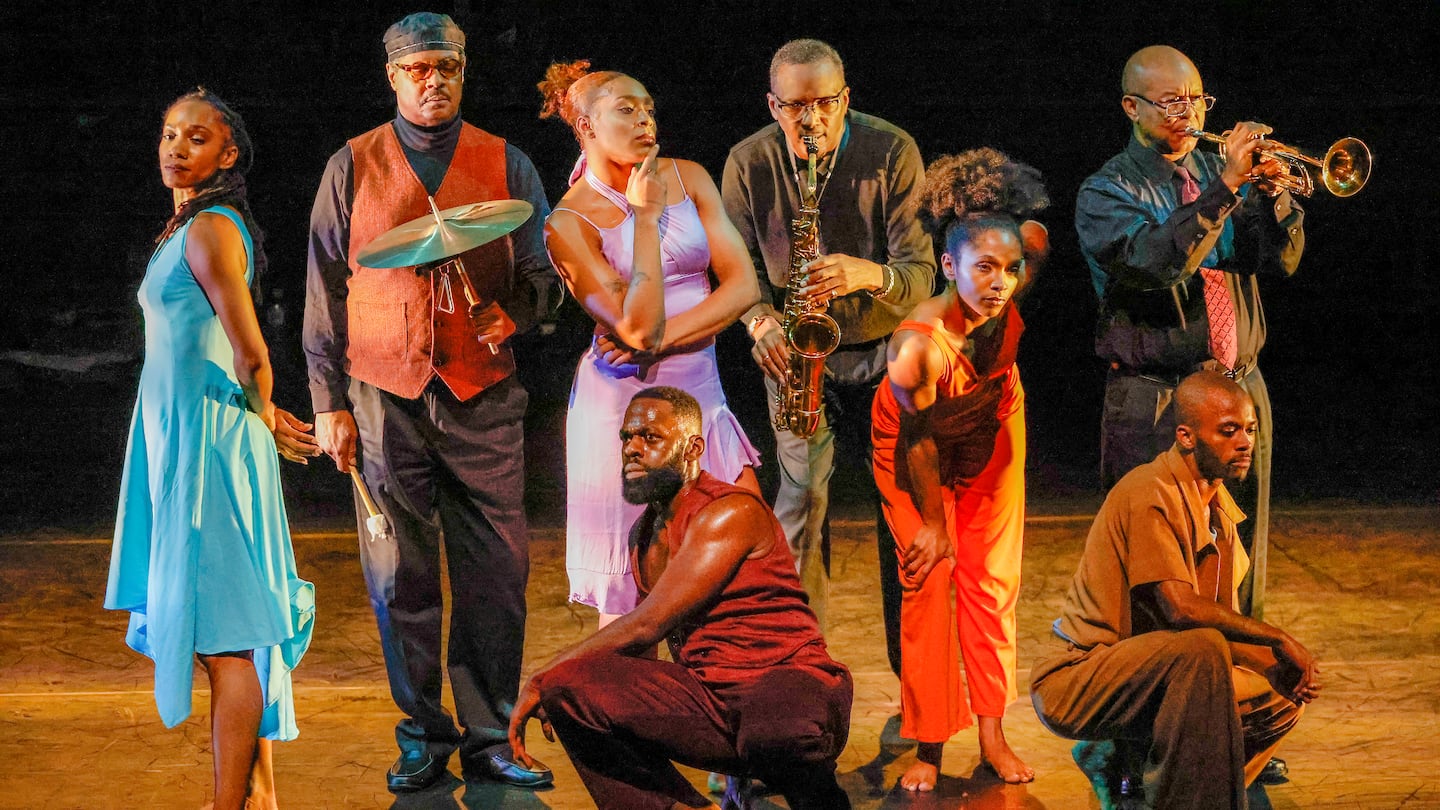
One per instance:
(78, 728)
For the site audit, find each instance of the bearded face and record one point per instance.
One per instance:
(657, 484)
(656, 449)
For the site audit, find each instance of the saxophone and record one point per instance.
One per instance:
(810, 333)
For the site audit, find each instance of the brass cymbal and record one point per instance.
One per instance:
(442, 234)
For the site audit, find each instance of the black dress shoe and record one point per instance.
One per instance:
(416, 769)
(497, 764)
(1275, 772)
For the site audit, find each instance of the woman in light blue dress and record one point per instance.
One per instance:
(202, 556)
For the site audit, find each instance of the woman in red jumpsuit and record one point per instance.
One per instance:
(949, 438)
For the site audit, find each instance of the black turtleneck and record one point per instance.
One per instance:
(429, 149)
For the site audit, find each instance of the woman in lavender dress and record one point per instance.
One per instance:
(633, 239)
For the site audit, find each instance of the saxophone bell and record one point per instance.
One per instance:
(812, 337)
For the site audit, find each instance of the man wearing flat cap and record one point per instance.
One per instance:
(422, 397)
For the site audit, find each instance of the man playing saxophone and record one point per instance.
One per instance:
(874, 265)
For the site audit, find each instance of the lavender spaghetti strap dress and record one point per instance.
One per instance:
(598, 519)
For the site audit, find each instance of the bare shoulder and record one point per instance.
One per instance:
(567, 222)
(737, 519)
(689, 170)
(699, 186)
(574, 221)
(213, 245)
(914, 361)
(911, 341)
(209, 226)
(931, 310)
(583, 208)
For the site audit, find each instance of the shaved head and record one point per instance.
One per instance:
(684, 406)
(1153, 78)
(1156, 64)
(1215, 425)
(1206, 390)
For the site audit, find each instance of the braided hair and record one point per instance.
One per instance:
(978, 190)
(226, 186)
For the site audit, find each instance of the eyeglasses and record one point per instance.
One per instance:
(420, 71)
(795, 110)
(1180, 106)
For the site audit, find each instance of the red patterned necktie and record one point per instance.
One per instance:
(1219, 307)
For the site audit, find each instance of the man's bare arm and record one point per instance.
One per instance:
(716, 542)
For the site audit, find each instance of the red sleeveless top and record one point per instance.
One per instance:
(760, 619)
(972, 398)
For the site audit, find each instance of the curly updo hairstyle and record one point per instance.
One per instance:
(226, 186)
(570, 90)
(978, 190)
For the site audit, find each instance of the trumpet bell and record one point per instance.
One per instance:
(1346, 167)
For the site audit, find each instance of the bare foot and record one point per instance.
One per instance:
(262, 795)
(923, 775)
(996, 752)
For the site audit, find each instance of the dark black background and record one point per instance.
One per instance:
(1350, 359)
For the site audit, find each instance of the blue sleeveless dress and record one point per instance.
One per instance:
(202, 556)
(598, 520)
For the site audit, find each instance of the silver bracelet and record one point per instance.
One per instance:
(754, 325)
(887, 282)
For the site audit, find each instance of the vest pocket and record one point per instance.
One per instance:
(379, 330)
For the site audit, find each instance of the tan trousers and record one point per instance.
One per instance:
(1211, 726)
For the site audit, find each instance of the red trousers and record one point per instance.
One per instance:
(624, 721)
(985, 520)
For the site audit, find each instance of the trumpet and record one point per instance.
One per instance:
(1343, 171)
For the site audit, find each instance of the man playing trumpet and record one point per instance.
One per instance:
(1175, 240)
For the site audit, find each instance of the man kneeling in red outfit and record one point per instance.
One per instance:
(751, 689)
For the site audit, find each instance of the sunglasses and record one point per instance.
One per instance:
(420, 71)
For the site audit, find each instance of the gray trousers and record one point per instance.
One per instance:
(1138, 423)
(806, 465)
